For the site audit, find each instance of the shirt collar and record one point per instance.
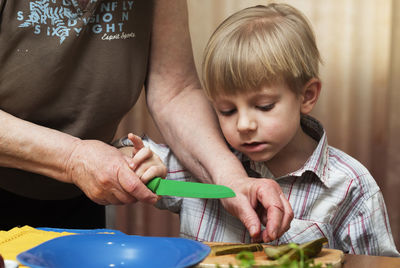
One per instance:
(317, 163)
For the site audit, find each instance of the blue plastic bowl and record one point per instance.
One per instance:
(110, 250)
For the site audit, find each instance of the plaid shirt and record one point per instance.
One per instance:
(332, 196)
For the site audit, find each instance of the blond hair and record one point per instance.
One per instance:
(258, 45)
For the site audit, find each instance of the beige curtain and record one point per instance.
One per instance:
(359, 41)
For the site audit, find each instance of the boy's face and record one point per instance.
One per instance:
(260, 123)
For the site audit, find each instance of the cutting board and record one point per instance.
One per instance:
(332, 256)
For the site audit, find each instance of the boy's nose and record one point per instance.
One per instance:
(246, 123)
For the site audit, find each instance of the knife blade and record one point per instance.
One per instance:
(189, 189)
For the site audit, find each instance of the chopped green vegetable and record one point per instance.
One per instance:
(308, 250)
(277, 251)
(298, 256)
(219, 250)
(289, 255)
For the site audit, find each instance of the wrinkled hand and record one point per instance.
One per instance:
(103, 173)
(146, 164)
(260, 201)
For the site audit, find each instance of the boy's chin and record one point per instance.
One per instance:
(258, 157)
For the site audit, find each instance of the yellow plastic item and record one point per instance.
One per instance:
(20, 239)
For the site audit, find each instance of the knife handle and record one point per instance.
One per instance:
(153, 184)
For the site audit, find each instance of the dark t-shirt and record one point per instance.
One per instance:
(71, 69)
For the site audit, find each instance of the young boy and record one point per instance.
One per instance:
(260, 72)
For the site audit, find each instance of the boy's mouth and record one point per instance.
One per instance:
(254, 146)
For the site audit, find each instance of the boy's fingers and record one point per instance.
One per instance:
(141, 156)
(137, 142)
(147, 171)
(152, 172)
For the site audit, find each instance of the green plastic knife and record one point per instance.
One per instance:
(189, 189)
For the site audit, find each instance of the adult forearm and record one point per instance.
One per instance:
(98, 169)
(189, 126)
(34, 148)
(178, 105)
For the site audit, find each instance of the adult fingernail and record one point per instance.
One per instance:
(253, 230)
(273, 235)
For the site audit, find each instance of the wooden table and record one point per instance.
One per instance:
(363, 261)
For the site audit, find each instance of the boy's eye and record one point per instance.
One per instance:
(227, 112)
(266, 107)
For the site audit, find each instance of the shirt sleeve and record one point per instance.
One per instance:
(368, 230)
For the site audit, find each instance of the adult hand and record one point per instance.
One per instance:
(260, 201)
(102, 172)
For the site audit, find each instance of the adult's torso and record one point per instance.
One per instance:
(74, 69)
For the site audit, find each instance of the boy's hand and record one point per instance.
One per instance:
(146, 164)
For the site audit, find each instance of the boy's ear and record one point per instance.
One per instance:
(310, 94)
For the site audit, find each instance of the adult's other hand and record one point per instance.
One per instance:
(260, 201)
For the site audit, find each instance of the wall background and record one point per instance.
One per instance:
(359, 106)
